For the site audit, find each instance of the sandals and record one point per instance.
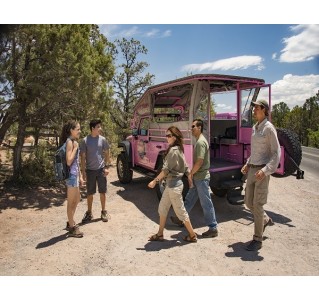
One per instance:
(160, 238)
(190, 239)
(156, 237)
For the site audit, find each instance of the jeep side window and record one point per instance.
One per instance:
(144, 125)
(246, 111)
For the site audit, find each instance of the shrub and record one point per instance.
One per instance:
(37, 168)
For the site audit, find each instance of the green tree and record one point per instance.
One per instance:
(278, 113)
(50, 73)
(310, 117)
(313, 137)
(130, 81)
(293, 121)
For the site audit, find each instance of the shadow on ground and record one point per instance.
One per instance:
(12, 196)
(239, 250)
(52, 241)
(146, 201)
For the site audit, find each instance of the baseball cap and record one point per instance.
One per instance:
(261, 102)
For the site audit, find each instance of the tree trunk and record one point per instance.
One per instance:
(17, 157)
(5, 126)
(36, 136)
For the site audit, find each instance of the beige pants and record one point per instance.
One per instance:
(256, 193)
(173, 197)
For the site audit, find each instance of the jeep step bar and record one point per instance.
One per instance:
(234, 188)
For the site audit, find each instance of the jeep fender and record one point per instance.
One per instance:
(127, 148)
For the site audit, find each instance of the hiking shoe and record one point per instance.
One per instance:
(254, 245)
(210, 233)
(269, 223)
(105, 216)
(177, 221)
(75, 232)
(87, 217)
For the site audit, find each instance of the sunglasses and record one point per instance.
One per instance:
(168, 135)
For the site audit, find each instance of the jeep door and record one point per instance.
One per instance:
(144, 152)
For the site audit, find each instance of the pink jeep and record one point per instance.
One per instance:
(180, 101)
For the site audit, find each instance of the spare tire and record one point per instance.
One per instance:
(290, 141)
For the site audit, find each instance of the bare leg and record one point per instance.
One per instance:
(90, 202)
(161, 225)
(73, 196)
(103, 200)
(189, 228)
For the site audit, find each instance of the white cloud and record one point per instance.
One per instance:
(129, 32)
(233, 63)
(115, 31)
(224, 106)
(108, 30)
(152, 33)
(294, 90)
(167, 33)
(303, 46)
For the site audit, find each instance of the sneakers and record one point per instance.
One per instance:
(75, 232)
(104, 216)
(177, 221)
(269, 223)
(254, 245)
(87, 217)
(210, 233)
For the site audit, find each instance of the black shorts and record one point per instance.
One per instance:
(93, 177)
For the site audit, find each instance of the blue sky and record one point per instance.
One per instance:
(287, 56)
(204, 36)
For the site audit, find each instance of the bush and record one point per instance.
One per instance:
(313, 137)
(38, 167)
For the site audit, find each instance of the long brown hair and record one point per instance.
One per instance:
(66, 130)
(179, 139)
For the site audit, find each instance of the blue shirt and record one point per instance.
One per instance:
(94, 149)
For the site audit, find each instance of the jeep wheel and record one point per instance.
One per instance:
(290, 141)
(124, 173)
(219, 192)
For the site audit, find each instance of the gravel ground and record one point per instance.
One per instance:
(34, 242)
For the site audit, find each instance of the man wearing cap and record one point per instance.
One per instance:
(263, 161)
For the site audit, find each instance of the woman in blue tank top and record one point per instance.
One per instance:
(70, 134)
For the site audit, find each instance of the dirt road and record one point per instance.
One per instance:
(34, 242)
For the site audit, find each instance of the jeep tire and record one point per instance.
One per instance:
(124, 172)
(290, 141)
(219, 192)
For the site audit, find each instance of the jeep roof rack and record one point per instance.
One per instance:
(227, 82)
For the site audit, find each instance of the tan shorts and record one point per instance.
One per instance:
(173, 197)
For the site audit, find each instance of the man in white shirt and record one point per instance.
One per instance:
(264, 160)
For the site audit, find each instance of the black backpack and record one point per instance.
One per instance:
(62, 170)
